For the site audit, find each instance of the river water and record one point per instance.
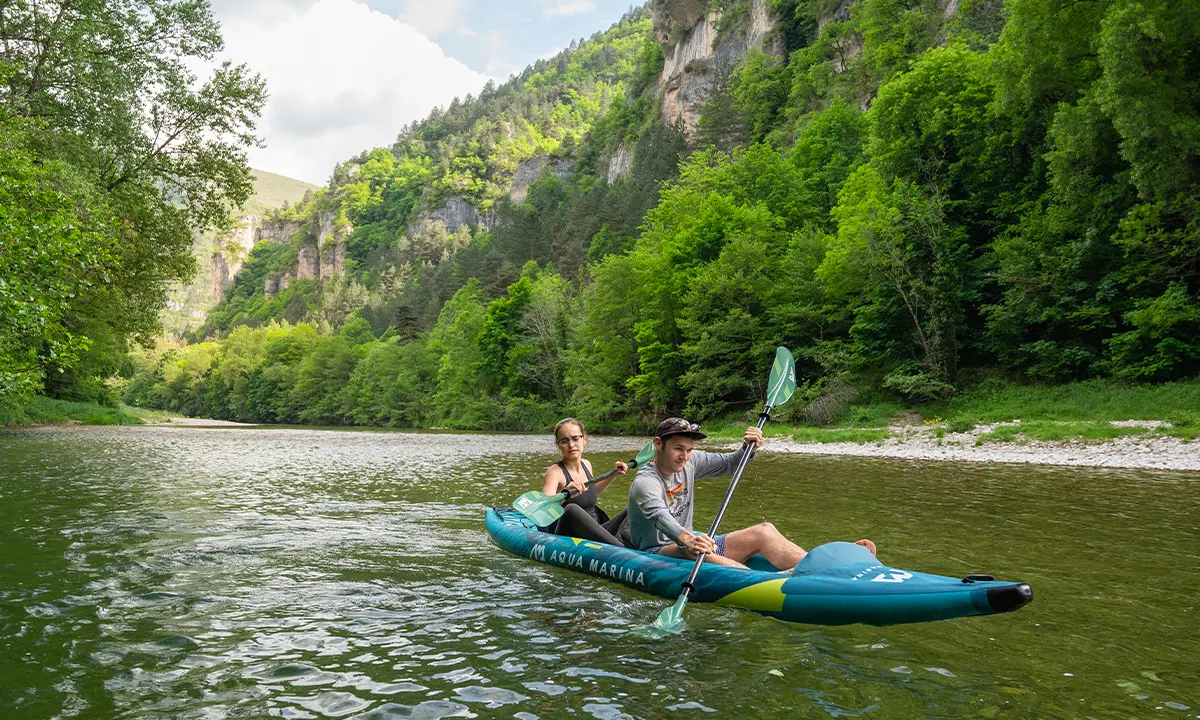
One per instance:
(210, 573)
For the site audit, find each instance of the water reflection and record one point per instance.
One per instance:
(185, 573)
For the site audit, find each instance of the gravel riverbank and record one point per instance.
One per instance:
(1131, 451)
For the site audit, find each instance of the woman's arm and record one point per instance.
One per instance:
(552, 483)
(620, 467)
(555, 481)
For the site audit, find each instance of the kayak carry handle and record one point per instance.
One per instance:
(978, 578)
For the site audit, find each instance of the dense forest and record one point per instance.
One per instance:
(915, 196)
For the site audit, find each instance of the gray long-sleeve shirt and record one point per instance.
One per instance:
(656, 518)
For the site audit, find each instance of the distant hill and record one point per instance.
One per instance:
(271, 191)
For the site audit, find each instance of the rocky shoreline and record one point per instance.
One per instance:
(1130, 451)
(907, 442)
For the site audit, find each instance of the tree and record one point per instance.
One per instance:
(107, 89)
(895, 255)
(48, 254)
(460, 400)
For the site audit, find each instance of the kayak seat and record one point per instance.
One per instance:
(835, 559)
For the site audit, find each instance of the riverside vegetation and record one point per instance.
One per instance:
(946, 210)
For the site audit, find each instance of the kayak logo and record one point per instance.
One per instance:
(629, 576)
(563, 558)
(865, 571)
(896, 576)
(522, 502)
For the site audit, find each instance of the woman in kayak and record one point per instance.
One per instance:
(582, 518)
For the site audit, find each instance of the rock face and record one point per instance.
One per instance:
(221, 275)
(276, 231)
(697, 58)
(321, 255)
(531, 170)
(232, 250)
(455, 213)
(308, 263)
(619, 164)
(331, 245)
(841, 13)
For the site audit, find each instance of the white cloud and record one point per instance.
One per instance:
(498, 65)
(342, 79)
(563, 8)
(433, 17)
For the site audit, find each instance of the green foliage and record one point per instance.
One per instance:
(1091, 401)
(895, 32)
(114, 152)
(40, 410)
(910, 202)
(1058, 432)
(861, 435)
(915, 384)
(49, 253)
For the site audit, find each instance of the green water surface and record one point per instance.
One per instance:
(244, 573)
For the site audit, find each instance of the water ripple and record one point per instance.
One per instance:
(185, 573)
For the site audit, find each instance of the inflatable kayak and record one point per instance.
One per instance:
(835, 584)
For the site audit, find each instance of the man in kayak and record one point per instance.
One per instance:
(661, 500)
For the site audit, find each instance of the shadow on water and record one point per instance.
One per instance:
(187, 573)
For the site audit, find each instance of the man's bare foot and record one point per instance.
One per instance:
(868, 545)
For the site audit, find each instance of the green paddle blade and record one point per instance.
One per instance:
(645, 455)
(782, 382)
(670, 620)
(539, 508)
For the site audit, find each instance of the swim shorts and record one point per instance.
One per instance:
(719, 540)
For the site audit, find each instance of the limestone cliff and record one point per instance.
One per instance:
(619, 164)
(697, 56)
(231, 250)
(454, 213)
(533, 169)
(276, 230)
(321, 254)
(220, 256)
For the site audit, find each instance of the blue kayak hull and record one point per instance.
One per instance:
(836, 584)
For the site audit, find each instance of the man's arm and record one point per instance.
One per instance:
(645, 498)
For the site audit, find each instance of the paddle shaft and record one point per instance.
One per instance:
(568, 494)
(688, 586)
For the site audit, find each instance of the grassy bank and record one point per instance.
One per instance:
(48, 411)
(1063, 413)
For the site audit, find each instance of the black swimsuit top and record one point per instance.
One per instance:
(586, 500)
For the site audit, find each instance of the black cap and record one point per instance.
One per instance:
(678, 426)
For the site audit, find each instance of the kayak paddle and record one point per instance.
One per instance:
(780, 386)
(543, 510)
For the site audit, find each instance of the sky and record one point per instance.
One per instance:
(345, 76)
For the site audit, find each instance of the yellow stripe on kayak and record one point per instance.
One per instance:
(767, 596)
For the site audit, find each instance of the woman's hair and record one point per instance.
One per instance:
(569, 421)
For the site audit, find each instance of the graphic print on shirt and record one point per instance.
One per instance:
(677, 500)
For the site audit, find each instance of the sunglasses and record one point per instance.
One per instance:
(680, 426)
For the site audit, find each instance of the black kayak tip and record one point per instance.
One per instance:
(1009, 597)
